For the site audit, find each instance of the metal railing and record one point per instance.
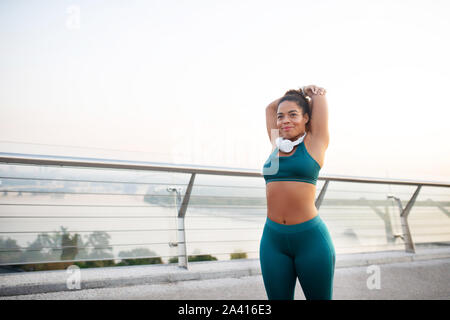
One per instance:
(69, 246)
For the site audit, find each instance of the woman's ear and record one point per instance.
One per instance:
(305, 115)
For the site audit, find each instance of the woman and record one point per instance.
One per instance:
(295, 241)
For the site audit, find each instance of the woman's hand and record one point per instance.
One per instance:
(313, 90)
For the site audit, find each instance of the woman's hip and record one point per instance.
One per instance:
(297, 239)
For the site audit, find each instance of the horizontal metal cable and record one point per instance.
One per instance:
(418, 233)
(88, 193)
(134, 182)
(111, 246)
(381, 245)
(86, 260)
(130, 194)
(355, 228)
(90, 181)
(84, 231)
(350, 204)
(193, 197)
(379, 220)
(334, 233)
(212, 253)
(76, 205)
(397, 193)
(353, 219)
(354, 223)
(361, 237)
(195, 186)
(146, 217)
(166, 205)
(257, 216)
(231, 206)
(379, 228)
(89, 217)
(228, 206)
(144, 230)
(382, 236)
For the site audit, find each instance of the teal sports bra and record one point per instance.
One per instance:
(299, 166)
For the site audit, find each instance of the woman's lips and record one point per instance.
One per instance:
(287, 128)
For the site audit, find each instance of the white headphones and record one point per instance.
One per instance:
(287, 145)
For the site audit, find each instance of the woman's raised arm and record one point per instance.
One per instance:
(319, 119)
(271, 118)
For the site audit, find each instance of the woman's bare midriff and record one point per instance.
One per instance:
(290, 202)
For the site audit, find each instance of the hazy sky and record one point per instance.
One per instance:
(188, 81)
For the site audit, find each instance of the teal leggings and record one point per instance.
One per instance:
(304, 251)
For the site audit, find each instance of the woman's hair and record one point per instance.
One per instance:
(301, 101)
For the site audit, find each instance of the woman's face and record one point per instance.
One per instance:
(290, 120)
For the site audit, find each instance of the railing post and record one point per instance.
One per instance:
(321, 194)
(182, 251)
(406, 236)
(182, 254)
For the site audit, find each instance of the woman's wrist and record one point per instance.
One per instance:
(314, 92)
(306, 94)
